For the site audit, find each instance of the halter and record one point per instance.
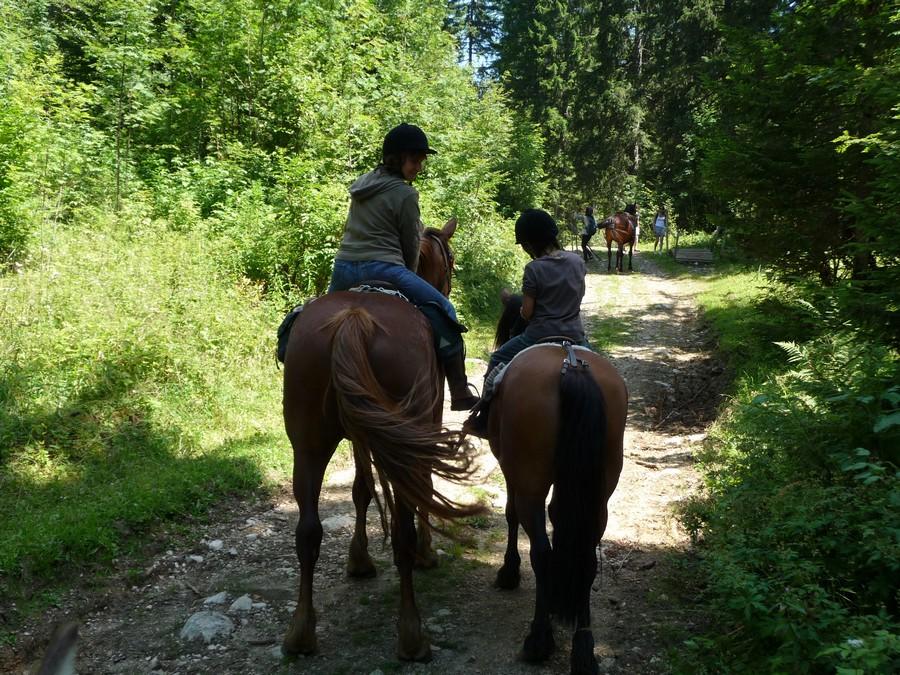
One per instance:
(447, 257)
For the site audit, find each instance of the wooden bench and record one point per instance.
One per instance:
(693, 256)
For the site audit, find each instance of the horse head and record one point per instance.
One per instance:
(436, 261)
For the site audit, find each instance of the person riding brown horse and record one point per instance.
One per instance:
(552, 288)
(557, 418)
(382, 240)
(363, 366)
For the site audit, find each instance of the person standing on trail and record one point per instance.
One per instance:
(660, 225)
(381, 241)
(553, 286)
(590, 229)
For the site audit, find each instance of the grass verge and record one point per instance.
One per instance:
(137, 383)
(797, 529)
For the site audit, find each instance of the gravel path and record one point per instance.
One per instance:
(241, 569)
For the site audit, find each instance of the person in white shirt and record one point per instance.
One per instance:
(659, 227)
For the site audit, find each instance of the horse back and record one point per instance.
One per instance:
(400, 350)
(525, 429)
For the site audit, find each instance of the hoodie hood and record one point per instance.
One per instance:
(375, 182)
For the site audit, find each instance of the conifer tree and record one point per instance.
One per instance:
(476, 23)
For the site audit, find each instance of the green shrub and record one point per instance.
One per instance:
(800, 529)
(136, 381)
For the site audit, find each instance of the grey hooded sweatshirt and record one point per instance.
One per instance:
(384, 223)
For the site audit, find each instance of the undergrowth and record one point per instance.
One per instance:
(136, 383)
(798, 531)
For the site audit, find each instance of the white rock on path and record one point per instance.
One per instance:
(206, 625)
(217, 599)
(216, 545)
(337, 522)
(242, 604)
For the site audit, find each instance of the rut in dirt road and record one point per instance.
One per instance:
(241, 573)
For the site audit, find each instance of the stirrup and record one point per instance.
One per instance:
(477, 423)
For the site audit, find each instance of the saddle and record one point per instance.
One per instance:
(444, 327)
(495, 377)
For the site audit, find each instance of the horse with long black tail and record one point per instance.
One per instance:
(362, 366)
(557, 419)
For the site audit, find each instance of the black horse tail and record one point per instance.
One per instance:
(399, 437)
(577, 483)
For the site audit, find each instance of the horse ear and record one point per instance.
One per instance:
(449, 227)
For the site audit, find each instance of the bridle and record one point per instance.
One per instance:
(445, 284)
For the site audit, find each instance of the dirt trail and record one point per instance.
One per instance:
(132, 625)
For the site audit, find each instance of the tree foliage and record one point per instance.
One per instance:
(250, 118)
(566, 64)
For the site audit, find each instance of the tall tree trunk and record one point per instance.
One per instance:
(638, 68)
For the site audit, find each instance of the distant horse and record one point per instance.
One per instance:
(619, 228)
(362, 366)
(557, 418)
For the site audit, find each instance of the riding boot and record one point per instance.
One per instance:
(461, 395)
(477, 423)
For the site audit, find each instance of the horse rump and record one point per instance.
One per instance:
(401, 437)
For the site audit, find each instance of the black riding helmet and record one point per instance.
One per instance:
(406, 138)
(536, 227)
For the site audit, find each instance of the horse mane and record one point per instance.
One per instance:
(511, 322)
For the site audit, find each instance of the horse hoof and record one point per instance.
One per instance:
(539, 644)
(301, 635)
(295, 644)
(582, 660)
(507, 578)
(420, 652)
(361, 569)
(426, 560)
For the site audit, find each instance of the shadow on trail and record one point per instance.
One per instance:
(476, 627)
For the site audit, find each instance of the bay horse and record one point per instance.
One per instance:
(558, 418)
(619, 228)
(362, 366)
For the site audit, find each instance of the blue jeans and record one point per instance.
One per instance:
(350, 273)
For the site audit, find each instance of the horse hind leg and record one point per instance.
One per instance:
(539, 643)
(426, 558)
(308, 473)
(412, 642)
(582, 660)
(508, 576)
(359, 562)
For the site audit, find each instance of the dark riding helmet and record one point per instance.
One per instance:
(536, 227)
(406, 138)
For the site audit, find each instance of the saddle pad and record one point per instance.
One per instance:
(284, 331)
(495, 377)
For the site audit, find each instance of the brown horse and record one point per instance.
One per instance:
(619, 228)
(362, 366)
(558, 421)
